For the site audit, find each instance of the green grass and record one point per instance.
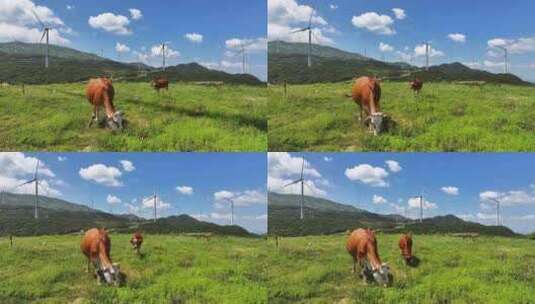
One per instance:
(446, 117)
(187, 118)
(174, 269)
(485, 270)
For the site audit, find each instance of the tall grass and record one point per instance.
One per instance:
(174, 269)
(187, 118)
(445, 117)
(485, 270)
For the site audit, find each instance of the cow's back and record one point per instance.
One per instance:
(92, 240)
(99, 88)
(356, 242)
(365, 90)
(405, 244)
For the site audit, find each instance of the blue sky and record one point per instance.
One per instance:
(452, 183)
(358, 25)
(216, 29)
(192, 183)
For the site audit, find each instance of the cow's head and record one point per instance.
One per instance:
(382, 275)
(376, 122)
(110, 275)
(116, 121)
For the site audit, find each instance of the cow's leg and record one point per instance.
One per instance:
(87, 269)
(93, 116)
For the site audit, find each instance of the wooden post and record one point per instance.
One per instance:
(277, 241)
(10, 241)
(23, 90)
(285, 89)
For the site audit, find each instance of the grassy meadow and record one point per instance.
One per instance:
(445, 117)
(187, 118)
(173, 269)
(485, 270)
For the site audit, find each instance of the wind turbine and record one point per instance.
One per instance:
(231, 201)
(244, 58)
(427, 50)
(162, 48)
(35, 180)
(155, 199)
(421, 197)
(497, 209)
(46, 33)
(309, 29)
(302, 181)
(505, 59)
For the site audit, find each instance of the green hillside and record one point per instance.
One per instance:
(322, 216)
(57, 216)
(288, 62)
(24, 63)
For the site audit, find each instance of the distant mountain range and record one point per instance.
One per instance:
(323, 216)
(24, 63)
(288, 62)
(57, 216)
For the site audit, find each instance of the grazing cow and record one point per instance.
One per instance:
(96, 246)
(362, 246)
(405, 245)
(366, 93)
(136, 241)
(416, 86)
(100, 92)
(160, 83)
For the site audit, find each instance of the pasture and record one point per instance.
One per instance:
(486, 270)
(174, 269)
(445, 117)
(187, 118)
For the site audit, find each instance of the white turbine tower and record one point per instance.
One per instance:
(505, 59)
(35, 180)
(427, 51)
(231, 201)
(155, 201)
(421, 198)
(302, 181)
(46, 34)
(497, 209)
(162, 48)
(309, 29)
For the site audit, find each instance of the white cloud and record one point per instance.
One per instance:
(18, 22)
(187, 190)
(419, 50)
(70, 7)
(132, 209)
(109, 22)
(368, 175)
(399, 13)
(508, 198)
(250, 45)
(327, 159)
(378, 200)
(457, 37)
(17, 168)
(466, 217)
(102, 174)
(113, 200)
(486, 216)
(384, 47)
(135, 14)
(514, 46)
(414, 203)
(121, 48)
(62, 158)
(156, 51)
(375, 23)
(393, 166)
(194, 37)
(286, 16)
(148, 202)
(333, 6)
(127, 165)
(240, 198)
(450, 190)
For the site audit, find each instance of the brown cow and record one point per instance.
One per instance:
(416, 86)
(366, 93)
(362, 246)
(159, 83)
(405, 245)
(100, 92)
(136, 241)
(96, 246)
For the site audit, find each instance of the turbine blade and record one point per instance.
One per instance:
(36, 170)
(25, 183)
(310, 19)
(302, 168)
(42, 37)
(294, 182)
(298, 31)
(38, 19)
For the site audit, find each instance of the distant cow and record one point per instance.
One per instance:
(416, 86)
(366, 93)
(136, 241)
(160, 83)
(100, 92)
(405, 245)
(96, 246)
(362, 246)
